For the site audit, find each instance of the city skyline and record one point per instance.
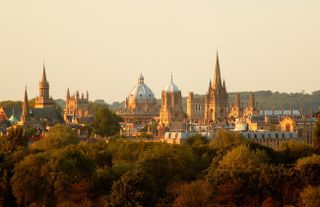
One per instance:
(104, 52)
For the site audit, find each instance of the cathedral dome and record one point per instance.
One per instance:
(172, 87)
(141, 93)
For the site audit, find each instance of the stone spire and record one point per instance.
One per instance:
(25, 107)
(68, 93)
(217, 74)
(87, 95)
(44, 75)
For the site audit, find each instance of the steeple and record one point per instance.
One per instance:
(25, 107)
(217, 74)
(68, 93)
(44, 75)
(87, 95)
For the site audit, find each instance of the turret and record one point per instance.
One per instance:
(68, 94)
(25, 108)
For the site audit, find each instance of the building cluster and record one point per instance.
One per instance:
(46, 113)
(171, 118)
(206, 113)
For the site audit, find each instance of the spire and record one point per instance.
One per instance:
(141, 79)
(87, 96)
(217, 78)
(68, 93)
(44, 75)
(25, 107)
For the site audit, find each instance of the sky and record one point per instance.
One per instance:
(103, 45)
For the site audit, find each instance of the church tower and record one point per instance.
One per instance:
(217, 98)
(171, 114)
(25, 116)
(44, 100)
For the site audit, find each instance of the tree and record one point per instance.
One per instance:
(29, 182)
(15, 138)
(309, 169)
(197, 140)
(243, 158)
(195, 194)
(291, 151)
(310, 197)
(105, 122)
(317, 133)
(224, 138)
(57, 137)
(133, 189)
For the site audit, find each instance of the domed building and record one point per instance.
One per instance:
(140, 105)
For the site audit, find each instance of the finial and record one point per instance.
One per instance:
(171, 77)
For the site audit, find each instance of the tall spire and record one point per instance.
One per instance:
(25, 107)
(217, 78)
(44, 75)
(68, 93)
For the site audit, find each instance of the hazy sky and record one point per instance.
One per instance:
(103, 45)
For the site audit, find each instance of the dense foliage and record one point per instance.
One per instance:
(228, 171)
(105, 122)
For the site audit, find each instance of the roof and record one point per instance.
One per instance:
(141, 93)
(172, 87)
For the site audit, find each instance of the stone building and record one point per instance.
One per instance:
(44, 100)
(45, 113)
(195, 108)
(212, 107)
(140, 105)
(171, 114)
(77, 108)
(240, 112)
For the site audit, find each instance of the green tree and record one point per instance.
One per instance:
(15, 138)
(29, 182)
(224, 138)
(243, 158)
(57, 137)
(105, 122)
(133, 189)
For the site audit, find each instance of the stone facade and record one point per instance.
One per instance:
(44, 100)
(213, 108)
(77, 108)
(171, 113)
(140, 105)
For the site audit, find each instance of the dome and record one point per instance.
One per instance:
(141, 93)
(172, 87)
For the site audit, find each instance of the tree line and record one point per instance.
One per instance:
(229, 170)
